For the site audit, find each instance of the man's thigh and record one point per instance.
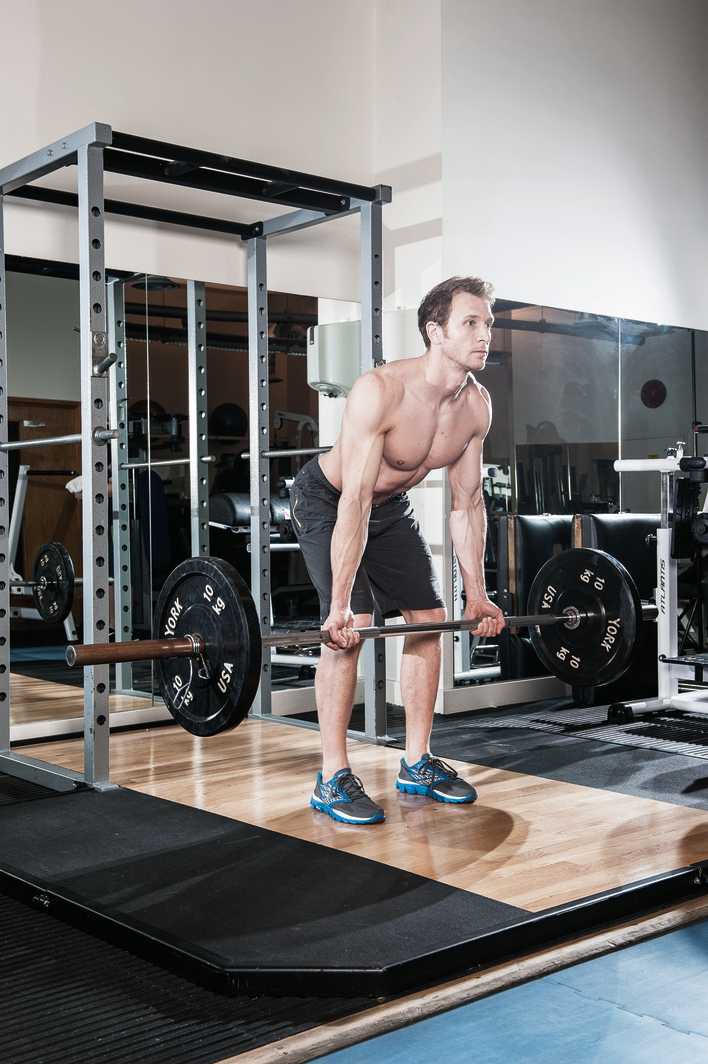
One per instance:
(314, 517)
(398, 561)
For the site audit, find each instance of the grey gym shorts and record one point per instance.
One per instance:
(396, 571)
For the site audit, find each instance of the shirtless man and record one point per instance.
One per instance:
(362, 544)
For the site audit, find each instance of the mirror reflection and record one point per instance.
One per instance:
(572, 392)
(158, 404)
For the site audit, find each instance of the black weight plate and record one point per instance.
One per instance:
(53, 576)
(600, 649)
(207, 597)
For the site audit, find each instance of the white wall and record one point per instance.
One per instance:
(406, 130)
(321, 85)
(284, 83)
(575, 153)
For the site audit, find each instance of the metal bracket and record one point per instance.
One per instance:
(103, 367)
(99, 351)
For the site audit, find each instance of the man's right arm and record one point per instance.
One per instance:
(361, 448)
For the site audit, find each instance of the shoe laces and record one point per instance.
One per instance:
(351, 786)
(434, 767)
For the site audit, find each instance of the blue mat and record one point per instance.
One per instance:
(640, 1005)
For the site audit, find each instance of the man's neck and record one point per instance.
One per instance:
(446, 378)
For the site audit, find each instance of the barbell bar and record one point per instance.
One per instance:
(29, 585)
(584, 621)
(291, 638)
(192, 645)
(47, 582)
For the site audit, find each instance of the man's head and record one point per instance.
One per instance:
(455, 310)
(437, 305)
(456, 316)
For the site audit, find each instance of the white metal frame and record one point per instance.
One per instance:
(85, 148)
(670, 675)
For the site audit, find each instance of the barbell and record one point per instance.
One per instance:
(584, 622)
(52, 584)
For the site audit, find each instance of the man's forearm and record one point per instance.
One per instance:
(347, 547)
(468, 529)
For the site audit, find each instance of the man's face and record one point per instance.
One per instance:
(467, 335)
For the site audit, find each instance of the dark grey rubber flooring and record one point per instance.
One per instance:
(626, 770)
(68, 997)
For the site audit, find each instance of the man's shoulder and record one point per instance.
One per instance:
(479, 407)
(387, 380)
(398, 368)
(373, 396)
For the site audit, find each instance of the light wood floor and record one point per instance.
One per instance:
(529, 842)
(33, 700)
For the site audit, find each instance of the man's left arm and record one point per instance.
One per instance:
(468, 528)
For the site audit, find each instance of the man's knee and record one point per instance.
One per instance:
(434, 616)
(416, 641)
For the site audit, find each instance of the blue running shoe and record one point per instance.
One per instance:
(432, 777)
(344, 799)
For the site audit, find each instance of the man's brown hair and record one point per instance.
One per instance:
(437, 304)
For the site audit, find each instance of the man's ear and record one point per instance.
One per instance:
(434, 332)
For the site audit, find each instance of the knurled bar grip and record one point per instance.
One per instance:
(288, 637)
(133, 650)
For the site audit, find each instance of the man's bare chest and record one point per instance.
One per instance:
(425, 437)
